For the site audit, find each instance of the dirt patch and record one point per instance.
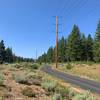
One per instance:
(13, 90)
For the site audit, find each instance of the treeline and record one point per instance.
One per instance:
(7, 56)
(76, 47)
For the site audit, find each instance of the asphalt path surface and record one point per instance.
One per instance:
(83, 83)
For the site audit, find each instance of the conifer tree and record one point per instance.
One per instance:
(74, 44)
(84, 48)
(89, 46)
(96, 46)
(50, 55)
(9, 55)
(2, 52)
(61, 50)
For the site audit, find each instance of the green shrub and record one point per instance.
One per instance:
(66, 92)
(17, 65)
(49, 85)
(57, 97)
(28, 92)
(28, 79)
(63, 91)
(34, 79)
(69, 66)
(84, 96)
(1, 79)
(34, 66)
(21, 78)
(90, 63)
(40, 63)
(91, 98)
(72, 93)
(78, 97)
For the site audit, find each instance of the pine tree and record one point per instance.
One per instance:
(67, 56)
(61, 49)
(50, 55)
(84, 48)
(89, 48)
(9, 55)
(2, 52)
(96, 46)
(44, 58)
(74, 44)
(97, 35)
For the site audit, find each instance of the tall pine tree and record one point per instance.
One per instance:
(61, 50)
(9, 55)
(84, 48)
(89, 47)
(2, 52)
(50, 55)
(96, 46)
(74, 44)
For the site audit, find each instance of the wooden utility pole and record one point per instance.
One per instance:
(56, 41)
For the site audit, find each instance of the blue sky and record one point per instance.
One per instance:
(29, 25)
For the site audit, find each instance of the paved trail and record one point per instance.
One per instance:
(93, 86)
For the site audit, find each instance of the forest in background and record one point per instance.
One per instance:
(7, 55)
(76, 47)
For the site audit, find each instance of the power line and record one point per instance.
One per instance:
(61, 10)
(77, 4)
(74, 4)
(80, 6)
(91, 11)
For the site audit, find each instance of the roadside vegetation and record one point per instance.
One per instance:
(87, 70)
(27, 82)
(58, 91)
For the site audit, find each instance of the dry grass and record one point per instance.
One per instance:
(13, 90)
(90, 71)
(84, 70)
(65, 85)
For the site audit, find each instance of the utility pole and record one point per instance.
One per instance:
(56, 42)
